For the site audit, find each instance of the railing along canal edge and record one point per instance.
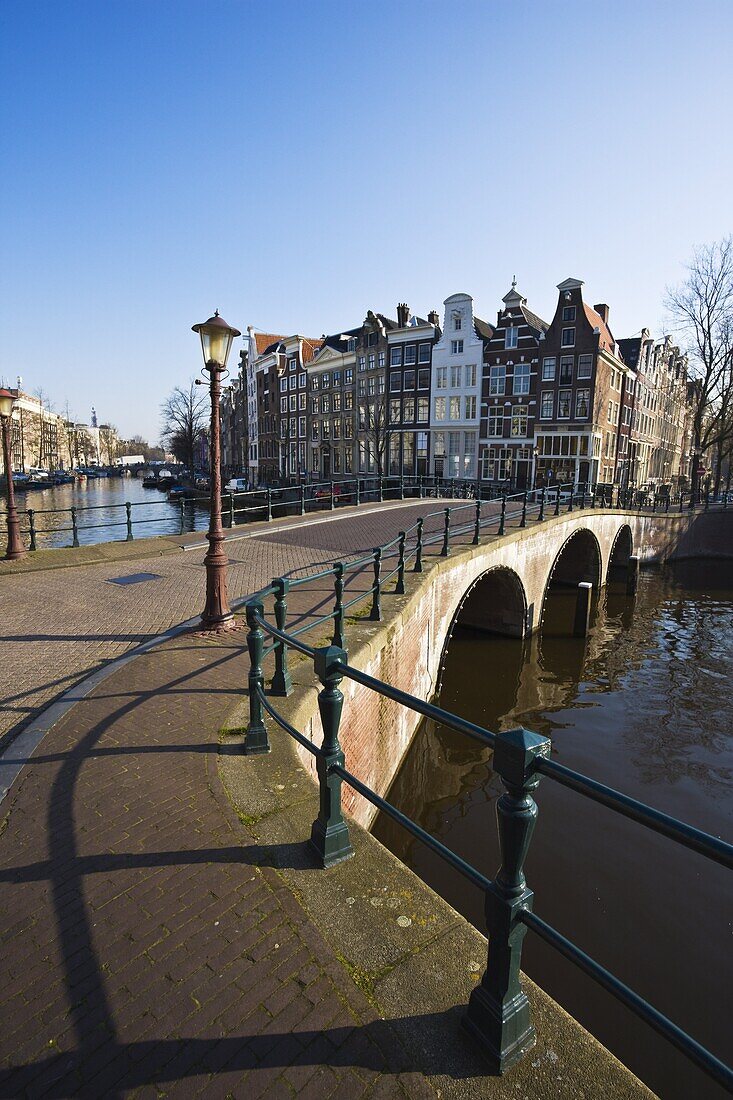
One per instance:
(498, 1011)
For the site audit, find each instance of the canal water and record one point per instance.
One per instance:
(644, 704)
(101, 514)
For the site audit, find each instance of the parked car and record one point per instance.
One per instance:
(236, 485)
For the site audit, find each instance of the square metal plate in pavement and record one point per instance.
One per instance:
(135, 578)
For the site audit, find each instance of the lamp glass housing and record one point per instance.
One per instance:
(7, 401)
(216, 339)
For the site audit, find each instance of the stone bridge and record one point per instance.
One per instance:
(501, 587)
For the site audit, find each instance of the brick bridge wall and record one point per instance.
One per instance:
(406, 649)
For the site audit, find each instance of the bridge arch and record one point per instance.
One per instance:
(578, 560)
(622, 549)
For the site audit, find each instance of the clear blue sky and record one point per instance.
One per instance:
(297, 163)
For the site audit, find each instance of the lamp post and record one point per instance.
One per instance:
(216, 341)
(15, 549)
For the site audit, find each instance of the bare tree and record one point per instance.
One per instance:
(701, 309)
(183, 421)
(375, 430)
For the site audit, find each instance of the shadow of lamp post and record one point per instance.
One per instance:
(15, 549)
(216, 341)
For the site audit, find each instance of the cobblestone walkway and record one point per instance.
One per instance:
(60, 624)
(144, 948)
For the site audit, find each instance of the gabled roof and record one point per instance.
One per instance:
(535, 323)
(596, 321)
(483, 328)
(630, 349)
(266, 341)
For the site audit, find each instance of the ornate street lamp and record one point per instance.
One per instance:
(216, 341)
(15, 549)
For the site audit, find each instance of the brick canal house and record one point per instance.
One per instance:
(458, 357)
(410, 364)
(509, 400)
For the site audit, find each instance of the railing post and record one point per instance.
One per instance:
(269, 504)
(557, 500)
(477, 523)
(593, 499)
(330, 833)
(654, 503)
(256, 740)
(32, 522)
(402, 486)
(381, 489)
(418, 547)
(338, 607)
(400, 585)
(502, 518)
(333, 498)
(281, 682)
(420, 487)
(542, 504)
(523, 520)
(570, 502)
(231, 510)
(302, 499)
(357, 494)
(498, 1015)
(445, 549)
(75, 532)
(128, 516)
(182, 504)
(376, 613)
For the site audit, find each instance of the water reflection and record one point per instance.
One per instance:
(642, 704)
(101, 517)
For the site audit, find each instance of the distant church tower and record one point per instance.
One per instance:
(94, 418)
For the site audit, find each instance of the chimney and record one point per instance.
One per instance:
(602, 310)
(433, 318)
(403, 314)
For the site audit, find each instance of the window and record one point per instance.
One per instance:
(441, 378)
(372, 362)
(380, 383)
(585, 366)
(283, 404)
(395, 381)
(423, 410)
(470, 375)
(496, 463)
(424, 353)
(314, 431)
(497, 380)
(470, 408)
(563, 404)
(547, 405)
(336, 428)
(409, 382)
(371, 385)
(337, 378)
(409, 410)
(511, 337)
(348, 465)
(395, 357)
(549, 366)
(293, 402)
(519, 420)
(349, 377)
(316, 381)
(351, 344)
(439, 443)
(520, 382)
(348, 401)
(567, 340)
(566, 369)
(496, 421)
(348, 427)
(455, 408)
(361, 362)
(326, 430)
(568, 313)
(314, 404)
(293, 382)
(326, 403)
(440, 408)
(292, 364)
(582, 400)
(455, 378)
(326, 381)
(302, 381)
(456, 347)
(301, 426)
(283, 384)
(302, 401)
(609, 415)
(395, 411)
(337, 402)
(410, 355)
(423, 379)
(380, 359)
(361, 386)
(372, 339)
(457, 324)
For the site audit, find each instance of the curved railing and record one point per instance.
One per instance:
(498, 1014)
(300, 500)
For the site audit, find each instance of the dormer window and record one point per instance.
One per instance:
(567, 339)
(511, 337)
(351, 344)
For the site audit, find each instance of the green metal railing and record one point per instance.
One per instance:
(498, 1012)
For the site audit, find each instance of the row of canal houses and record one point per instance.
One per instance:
(520, 403)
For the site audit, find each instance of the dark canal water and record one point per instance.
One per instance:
(100, 504)
(643, 704)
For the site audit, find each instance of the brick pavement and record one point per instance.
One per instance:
(60, 624)
(144, 949)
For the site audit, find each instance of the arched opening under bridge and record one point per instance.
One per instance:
(494, 604)
(621, 551)
(576, 566)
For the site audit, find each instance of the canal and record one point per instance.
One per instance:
(643, 704)
(100, 511)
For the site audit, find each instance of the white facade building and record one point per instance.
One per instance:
(456, 392)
